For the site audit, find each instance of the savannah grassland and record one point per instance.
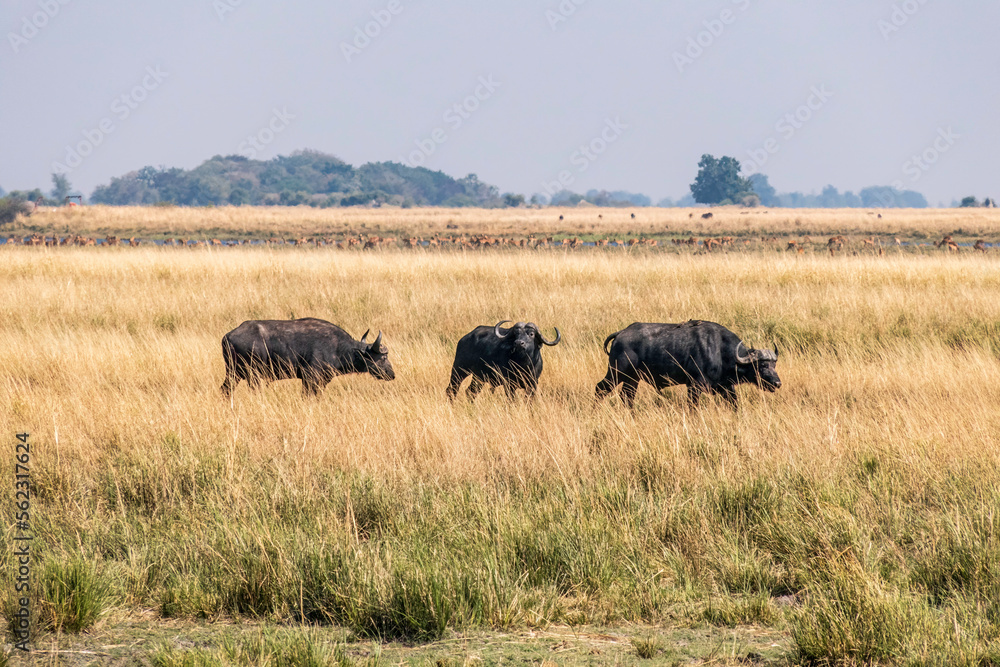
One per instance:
(853, 517)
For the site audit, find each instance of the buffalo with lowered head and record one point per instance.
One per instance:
(705, 356)
(311, 350)
(510, 358)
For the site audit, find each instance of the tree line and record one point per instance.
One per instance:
(317, 179)
(304, 177)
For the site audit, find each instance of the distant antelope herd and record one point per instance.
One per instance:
(834, 245)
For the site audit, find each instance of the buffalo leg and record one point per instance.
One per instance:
(474, 387)
(728, 393)
(629, 387)
(253, 379)
(694, 393)
(230, 384)
(530, 389)
(607, 385)
(313, 381)
(458, 376)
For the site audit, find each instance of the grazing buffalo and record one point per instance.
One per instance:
(511, 358)
(705, 356)
(311, 350)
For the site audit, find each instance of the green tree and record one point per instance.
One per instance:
(511, 200)
(719, 180)
(969, 202)
(10, 208)
(60, 187)
(763, 189)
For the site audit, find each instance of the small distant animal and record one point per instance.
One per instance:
(309, 349)
(980, 246)
(948, 242)
(510, 358)
(706, 216)
(705, 356)
(633, 216)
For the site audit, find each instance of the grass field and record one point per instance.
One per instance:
(853, 517)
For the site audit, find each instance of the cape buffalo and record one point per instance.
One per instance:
(510, 358)
(705, 356)
(311, 350)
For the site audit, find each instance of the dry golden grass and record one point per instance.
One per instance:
(262, 222)
(127, 342)
(889, 366)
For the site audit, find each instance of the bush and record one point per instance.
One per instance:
(10, 208)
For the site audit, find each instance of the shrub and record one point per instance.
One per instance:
(10, 208)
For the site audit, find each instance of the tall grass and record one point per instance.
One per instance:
(865, 489)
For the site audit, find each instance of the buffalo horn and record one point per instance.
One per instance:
(496, 329)
(377, 345)
(553, 343)
(364, 339)
(741, 359)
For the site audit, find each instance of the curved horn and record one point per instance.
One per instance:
(741, 359)
(364, 339)
(775, 343)
(496, 329)
(377, 345)
(553, 343)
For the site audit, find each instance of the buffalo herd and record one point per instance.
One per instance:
(705, 356)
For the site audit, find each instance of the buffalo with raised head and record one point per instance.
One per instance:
(510, 358)
(705, 356)
(314, 351)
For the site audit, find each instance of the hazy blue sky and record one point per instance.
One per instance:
(894, 80)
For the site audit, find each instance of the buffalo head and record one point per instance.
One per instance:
(374, 358)
(525, 337)
(757, 366)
